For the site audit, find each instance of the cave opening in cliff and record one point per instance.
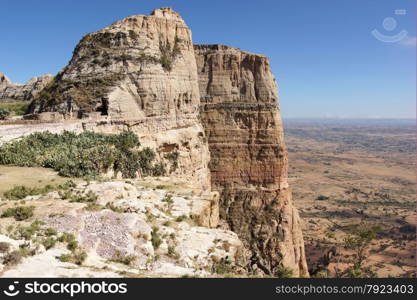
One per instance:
(104, 107)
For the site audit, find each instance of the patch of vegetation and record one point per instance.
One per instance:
(181, 218)
(26, 232)
(173, 158)
(123, 259)
(13, 108)
(20, 213)
(158, 169)
(222, 266)
(79, 196)
(87, 154)
(283, 272)
(77, 257)
(114, 208)
(13, 258)
(359, 240)
(93, 206)
(169, 54)
(49, 242)
(155, 238)
(4, 247)
(20, 191)
(172, 252)
(4, 113)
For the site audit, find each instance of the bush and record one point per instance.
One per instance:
(20, 213)
(13, 258)
(173, 158)
(16, 108)
(20, 192)
(4, 113)
(155, 238)
(49, 242)
(28, 231)
(87, 154)
(4, 247)
(120, 258)
(283, 272)
(77, 257)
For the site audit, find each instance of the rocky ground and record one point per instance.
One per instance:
(345, 173)
(148, 228)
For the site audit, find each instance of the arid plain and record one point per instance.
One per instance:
(344, 173)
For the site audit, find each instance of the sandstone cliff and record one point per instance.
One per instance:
(144, 74)
(239, 109)
(27, 91)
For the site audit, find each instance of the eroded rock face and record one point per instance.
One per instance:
(240, 113)
(141, 66)
(27, 91)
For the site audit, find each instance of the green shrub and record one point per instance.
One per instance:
(4, 113)
(173, 158)
(283, 272)
(173, 253)
(87, 154)
(155, 238)
(16, 108)
(72, 245)
(49, 242)
(181, 218)
(168, 55)
(4, 247)
(20, 191)
(114, 208)
(222, 266)
(27, 232)
(20, 213)
(123, 259)
(159, 169)
(76, 257)
(13, 258)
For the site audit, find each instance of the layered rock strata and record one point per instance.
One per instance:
(240, 113)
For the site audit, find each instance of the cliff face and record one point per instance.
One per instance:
(27, 91)
(240, 113)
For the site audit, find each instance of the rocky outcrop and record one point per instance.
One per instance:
(140, 73)
(132, 230)
(27, 91)
(141, 66)
(240, 113)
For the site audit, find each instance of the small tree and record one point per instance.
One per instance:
(4, 113)
(359, 240)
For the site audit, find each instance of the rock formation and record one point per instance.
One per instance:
(240, 113)
(27, 91)
(144, 74)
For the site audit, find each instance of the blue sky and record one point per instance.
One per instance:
(326, 61)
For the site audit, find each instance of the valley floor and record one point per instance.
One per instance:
(345, 173)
